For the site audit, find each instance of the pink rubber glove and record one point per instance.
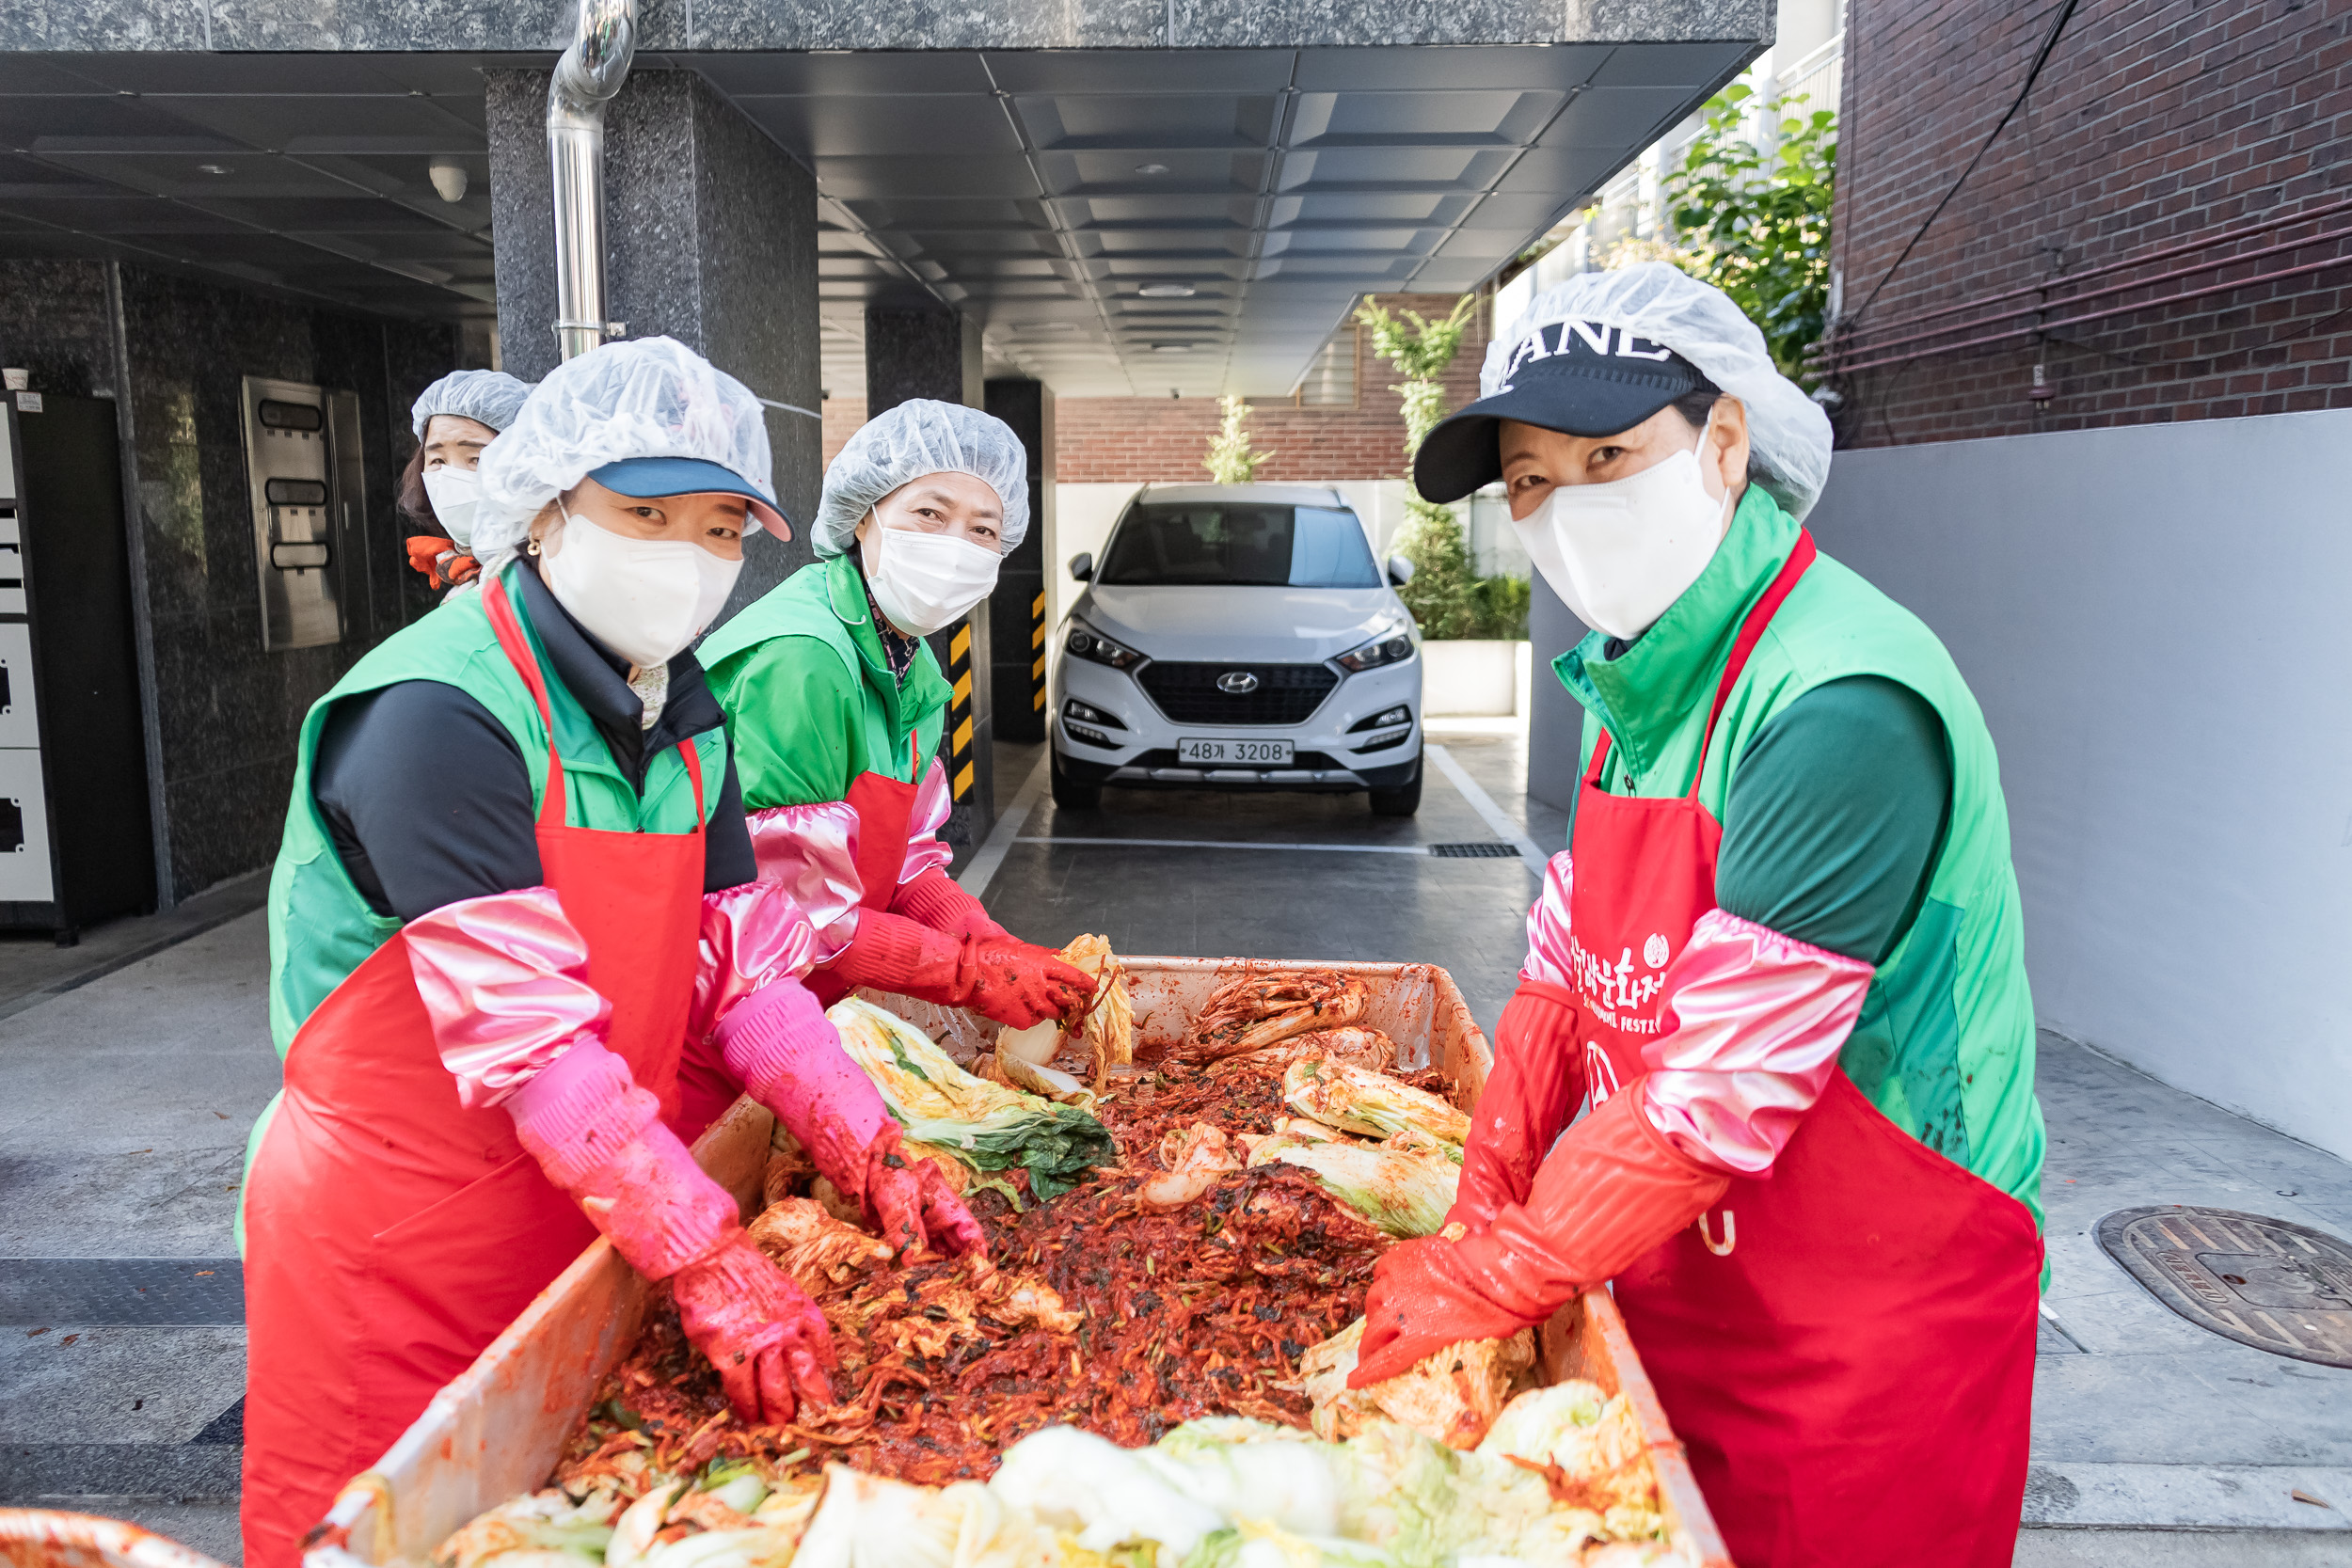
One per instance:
(933, 899)
(788, 1056)
(599, 1137)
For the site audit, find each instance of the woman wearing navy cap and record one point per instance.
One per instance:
(1780, 965)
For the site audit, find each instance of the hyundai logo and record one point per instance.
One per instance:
(1237, 683)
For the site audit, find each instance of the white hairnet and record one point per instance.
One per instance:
(488, 397)
(918, 437)
(1789, 435)
(645, 397)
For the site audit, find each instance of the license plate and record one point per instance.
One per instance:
(1261, 753)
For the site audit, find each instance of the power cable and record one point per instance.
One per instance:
(2041, 57)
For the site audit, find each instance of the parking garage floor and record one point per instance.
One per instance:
(126, 1088)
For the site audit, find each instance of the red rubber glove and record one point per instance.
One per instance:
(768, 1340)
(599, 1136)
(908, 1202)
(1613, 1189)
(1010, 981)
(933, 899)
(1536, 1085)
(784, 1051)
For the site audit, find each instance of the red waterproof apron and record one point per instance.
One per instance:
(884, 805)
(1846, 1345)
(392, 1233)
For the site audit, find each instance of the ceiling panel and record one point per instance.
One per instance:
(896, 124)
(1254, 193)
(1145, 121)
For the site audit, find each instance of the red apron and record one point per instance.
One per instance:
(1846, 1345)
(392, 1233)
(884, 806)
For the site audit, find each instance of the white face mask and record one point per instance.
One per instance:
(1620, 554)
(923, 581)
(645, 599)
(455, 493)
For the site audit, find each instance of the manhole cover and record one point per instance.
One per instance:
(1487, 851)
(2271, 1284)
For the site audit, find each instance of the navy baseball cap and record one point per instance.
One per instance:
(648, 478)
(1578, 378)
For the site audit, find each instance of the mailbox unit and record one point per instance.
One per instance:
(75, 844)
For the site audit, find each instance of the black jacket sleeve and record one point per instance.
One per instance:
(727, 859)
(426, 799)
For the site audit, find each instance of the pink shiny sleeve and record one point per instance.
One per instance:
(1547, 928)
(933, 800)
(1756, 1022)
(504, 979)
(811, 852)
(751, 936)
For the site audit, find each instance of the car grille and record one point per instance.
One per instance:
(1286, 693)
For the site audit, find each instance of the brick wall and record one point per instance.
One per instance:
(842, 418)
(1162, 440)
(2156, 123)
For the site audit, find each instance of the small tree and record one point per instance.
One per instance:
(1755, 222)
(1230, 460)
(1446, 598)
(1439, 594)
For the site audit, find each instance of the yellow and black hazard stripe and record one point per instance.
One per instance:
(1036, 654)
(959, 712)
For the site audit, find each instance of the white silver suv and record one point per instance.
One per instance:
(1238, 636)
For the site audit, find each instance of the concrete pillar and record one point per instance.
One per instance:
(925, 350)
(1556, 726)
(1016, 611)
(710, 238)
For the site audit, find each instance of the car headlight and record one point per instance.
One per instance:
(1391, 647)
(1086, 642)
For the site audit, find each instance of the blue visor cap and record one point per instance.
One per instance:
(651, 478)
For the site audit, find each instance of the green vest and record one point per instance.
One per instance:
(320, 926)
(1945, 1043)
(809, 696)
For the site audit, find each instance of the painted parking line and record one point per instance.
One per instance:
(1422, 849)
(982, 870)
(1483, 804)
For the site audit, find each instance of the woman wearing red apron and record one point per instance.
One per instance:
(1779, 969)
(837, 707)
(519, 958)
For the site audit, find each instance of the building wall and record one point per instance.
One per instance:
(2156, 123)
(2153, 620)
(225, 715)
(1162, 440)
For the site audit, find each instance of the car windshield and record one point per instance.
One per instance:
(1238, 544)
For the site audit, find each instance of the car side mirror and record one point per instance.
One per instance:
(1400, 570)
(1082, 566)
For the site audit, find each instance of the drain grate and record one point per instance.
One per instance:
(145, 1292)
(2271, 1284)
(1475, 851)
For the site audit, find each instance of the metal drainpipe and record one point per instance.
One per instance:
(590, 72)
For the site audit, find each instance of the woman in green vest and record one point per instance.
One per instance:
(1779, 968)
(835, 705)
(519, 958)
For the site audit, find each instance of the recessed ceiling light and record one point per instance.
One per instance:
(1171, 348)
(1168, 290)
(1151, 169)
(212, 168)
